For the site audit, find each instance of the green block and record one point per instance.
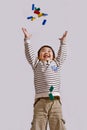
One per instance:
(51, 96)
(51, 88)
(37, 9)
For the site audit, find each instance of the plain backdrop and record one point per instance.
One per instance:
(16, 75)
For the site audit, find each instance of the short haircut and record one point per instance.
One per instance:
(48, 47)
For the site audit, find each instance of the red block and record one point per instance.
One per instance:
(36, 12)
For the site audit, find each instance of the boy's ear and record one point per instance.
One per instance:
(38, 57)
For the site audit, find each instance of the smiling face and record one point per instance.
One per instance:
(45, 54)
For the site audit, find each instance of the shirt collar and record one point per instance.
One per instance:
(46, 62)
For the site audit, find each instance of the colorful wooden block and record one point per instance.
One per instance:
(51, 88)
(33, 19)
(37, 9)
(41, 14)
(30, 17)
(51, 96)
(44, 22)
(45, 14)
(33, 6)
(36, 12)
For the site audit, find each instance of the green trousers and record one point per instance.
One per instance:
(46, 110)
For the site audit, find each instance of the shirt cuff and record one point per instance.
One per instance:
(63, 43)
(26, 40)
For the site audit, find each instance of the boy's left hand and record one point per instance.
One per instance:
(62, 39)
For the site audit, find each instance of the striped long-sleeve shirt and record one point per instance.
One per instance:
(46, 75)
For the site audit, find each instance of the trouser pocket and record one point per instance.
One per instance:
(36, 101)
(63, 121)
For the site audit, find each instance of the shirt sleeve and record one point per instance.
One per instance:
(29, 53)
(62, 53)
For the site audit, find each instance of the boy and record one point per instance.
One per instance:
(46, 68)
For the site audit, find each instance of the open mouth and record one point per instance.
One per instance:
(46, 56)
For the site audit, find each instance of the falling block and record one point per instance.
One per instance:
(30, 17)
(33, 19)
(44, 22)
(36, 12)
(41, 14)
(45, 14)
(33, 6)
(37, 9)
(51, 96)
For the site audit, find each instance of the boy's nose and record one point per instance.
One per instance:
(46, 52)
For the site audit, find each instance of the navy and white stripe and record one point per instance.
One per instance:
(46, 75)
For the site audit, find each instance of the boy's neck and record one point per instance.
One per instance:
(47, 62)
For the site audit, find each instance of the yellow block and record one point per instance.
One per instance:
(33, 19)
(41, 14)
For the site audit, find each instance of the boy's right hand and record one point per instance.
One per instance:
(26, 34)
(62, 39)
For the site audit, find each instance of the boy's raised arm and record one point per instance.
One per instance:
(28, 48)
(61, 56)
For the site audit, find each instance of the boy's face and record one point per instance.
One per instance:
(46, 54)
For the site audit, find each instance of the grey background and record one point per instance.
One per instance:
(16, 75)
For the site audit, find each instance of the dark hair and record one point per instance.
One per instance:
(48, 47)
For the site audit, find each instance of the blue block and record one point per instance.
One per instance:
(45, 14)
(44, 22)
(33, 7)
(30, 17)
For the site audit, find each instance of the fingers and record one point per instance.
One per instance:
(64, 35)
(26, 34)
(24, 30)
